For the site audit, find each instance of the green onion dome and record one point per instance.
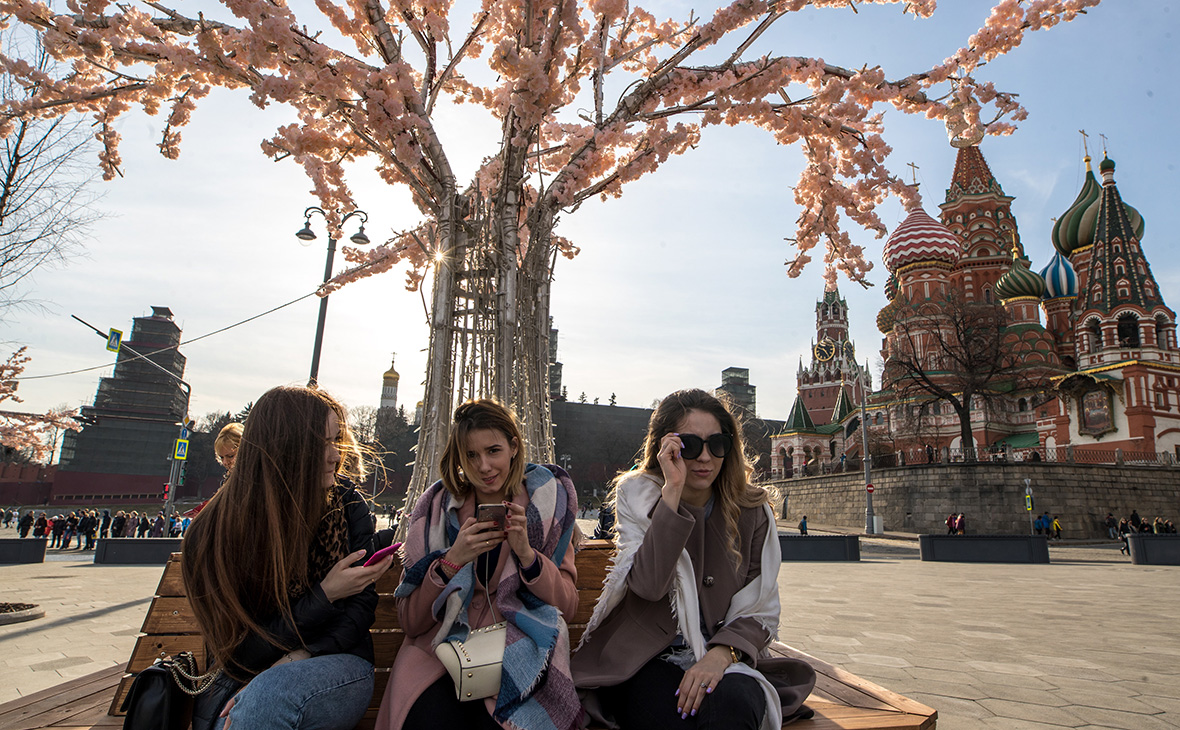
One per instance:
(1071, 232)
(1020, 282)
(887, 317)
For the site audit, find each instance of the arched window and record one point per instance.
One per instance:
(1022, 405)
(987, 295)
(1094, 330)
(1128, 330)
(1161, 332)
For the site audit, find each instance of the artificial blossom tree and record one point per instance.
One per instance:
(369, 78)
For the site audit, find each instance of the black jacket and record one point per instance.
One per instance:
(326, 628)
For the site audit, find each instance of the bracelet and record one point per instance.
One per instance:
(735, 655)
(448, 564)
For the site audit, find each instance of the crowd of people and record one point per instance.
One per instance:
(1134, 524)
(80, 529)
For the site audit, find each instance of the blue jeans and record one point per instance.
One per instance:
(329, 692)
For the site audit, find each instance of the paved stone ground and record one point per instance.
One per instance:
(1088, 641)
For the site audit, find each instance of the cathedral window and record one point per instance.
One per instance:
(1124, 293)
(1128, 331)
(1118, 248)
(987, 295)
(1095, 336)
(1119, 270)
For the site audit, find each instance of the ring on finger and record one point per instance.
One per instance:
(704, 685)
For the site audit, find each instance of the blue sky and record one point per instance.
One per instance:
(676, 281)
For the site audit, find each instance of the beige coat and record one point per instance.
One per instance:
(642, 625)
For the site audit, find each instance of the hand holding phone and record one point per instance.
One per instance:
(382, 554)
(497, 513)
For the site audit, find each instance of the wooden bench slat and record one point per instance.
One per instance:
(170, 615)
(150, 648)
(88, 694)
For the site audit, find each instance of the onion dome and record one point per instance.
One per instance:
(391, 376)
(1071, 232)
(891, 286)
(1060, 278)
(887, 317)
(921, 239)
(1019, 282)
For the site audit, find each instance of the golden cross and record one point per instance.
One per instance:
(914, 171)
(1085, 137)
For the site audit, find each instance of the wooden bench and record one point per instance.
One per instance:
(841, 700)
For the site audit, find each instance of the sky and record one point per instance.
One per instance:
(677, 280)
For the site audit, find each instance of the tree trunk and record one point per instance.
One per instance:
(489, 334)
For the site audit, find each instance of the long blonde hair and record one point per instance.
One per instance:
(732, 489)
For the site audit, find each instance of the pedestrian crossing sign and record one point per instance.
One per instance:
(181, 452)
(114, 340)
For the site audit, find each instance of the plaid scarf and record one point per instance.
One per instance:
(536, 689)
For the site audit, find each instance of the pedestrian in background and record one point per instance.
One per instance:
(803, 525)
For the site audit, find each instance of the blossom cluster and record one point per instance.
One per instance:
(546, 66)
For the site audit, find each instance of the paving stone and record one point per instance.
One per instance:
(1030, 695)
(1106, 700)
(1006, 668)
(1122, 720)
(1031, 712)
(879, 659)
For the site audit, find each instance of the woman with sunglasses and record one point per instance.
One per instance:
(679, 636)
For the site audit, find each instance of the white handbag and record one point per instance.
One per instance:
(475, 664)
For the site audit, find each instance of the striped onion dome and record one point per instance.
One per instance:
(921, 239)
(891, 286)
(1060, 278)
(1074, 229)
(1020, 282)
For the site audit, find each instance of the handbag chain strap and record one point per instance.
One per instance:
(184, 673)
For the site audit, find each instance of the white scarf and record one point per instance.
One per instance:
(635, 496)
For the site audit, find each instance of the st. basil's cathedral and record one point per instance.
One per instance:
(1101, 372)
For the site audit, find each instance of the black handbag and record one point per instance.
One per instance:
(161, 697)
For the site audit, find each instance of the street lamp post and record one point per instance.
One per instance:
(870, 522)
(306, 234)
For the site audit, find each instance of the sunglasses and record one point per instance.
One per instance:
(693, 445)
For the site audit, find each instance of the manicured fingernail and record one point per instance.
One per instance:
(678, 694)
(694, 713)
(709, 690)
(684, 716)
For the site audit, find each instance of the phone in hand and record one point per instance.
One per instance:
(497, 513)
(382, 554)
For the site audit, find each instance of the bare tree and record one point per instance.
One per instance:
(363, 422)
(957, 351)
(46, 205)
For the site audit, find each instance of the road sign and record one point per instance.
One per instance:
(184, 432)
(869, 489)
(1028, 502)
(181, 452)
(114, 340)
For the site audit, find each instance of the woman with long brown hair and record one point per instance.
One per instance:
(464, 574)
(272, 573)
(680, 633)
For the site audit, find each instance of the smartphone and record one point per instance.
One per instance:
(382, 554)
(497, 513)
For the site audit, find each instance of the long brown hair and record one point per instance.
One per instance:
(732, 489)
(250, 544)
(477, 415)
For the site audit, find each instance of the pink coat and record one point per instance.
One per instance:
(416, 666)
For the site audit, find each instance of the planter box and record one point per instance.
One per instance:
(985, 548)
(135, 550)
(22, 550)
(1148, 549)
(819, 547)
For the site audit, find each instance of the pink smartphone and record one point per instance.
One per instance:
(497, 513)
(382, 554)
